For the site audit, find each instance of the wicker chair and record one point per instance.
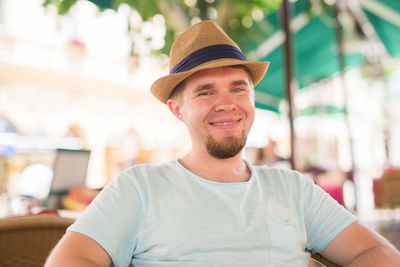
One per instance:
(27, 241)
(324, 261)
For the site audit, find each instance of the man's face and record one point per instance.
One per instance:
(217, 106)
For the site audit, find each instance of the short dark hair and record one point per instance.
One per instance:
(179, 88)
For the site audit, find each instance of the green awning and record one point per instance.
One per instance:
(315, 50)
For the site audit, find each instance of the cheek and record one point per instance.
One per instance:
(252, 118)
(248, 104)
(194, 115)
(249, 108)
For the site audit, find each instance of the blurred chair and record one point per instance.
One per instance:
(387, 189)
(28, 240)
(318, 257)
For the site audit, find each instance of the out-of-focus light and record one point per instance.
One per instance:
(124, 9)
(247, 22)
(158, 20)
(195, 20)
(147, 29)
(190, 3)
(212, 13)
(135, 19)
(257, 14)
(330, 2)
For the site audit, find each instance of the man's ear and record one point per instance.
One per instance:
(173, 105)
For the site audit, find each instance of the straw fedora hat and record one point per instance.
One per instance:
(202, 46)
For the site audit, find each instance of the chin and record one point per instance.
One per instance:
(227, 147)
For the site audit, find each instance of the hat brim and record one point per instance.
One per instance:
(163, 87)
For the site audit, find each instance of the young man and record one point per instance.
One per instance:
(210, 207)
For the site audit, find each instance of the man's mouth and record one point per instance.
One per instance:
(224, 123)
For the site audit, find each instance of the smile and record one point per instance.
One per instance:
(224, 123)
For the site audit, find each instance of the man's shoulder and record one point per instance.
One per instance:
(147, 167)
(280, 175)
(265, 171)
(148, 172)
(143, 176)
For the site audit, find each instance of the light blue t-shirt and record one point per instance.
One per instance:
(165, 215)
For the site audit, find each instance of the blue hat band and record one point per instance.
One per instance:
(207, 54)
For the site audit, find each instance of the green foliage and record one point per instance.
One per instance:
(245, 21)
(147, 9)
(169, 39)
(63, 6)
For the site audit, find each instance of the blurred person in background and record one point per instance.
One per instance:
(76, 130)
(211, 207)
(267, 155)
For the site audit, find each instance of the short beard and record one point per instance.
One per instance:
(227, 148)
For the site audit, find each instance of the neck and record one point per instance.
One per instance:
(230, 170)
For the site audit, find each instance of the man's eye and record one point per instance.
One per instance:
(204, 93)
(237, 90)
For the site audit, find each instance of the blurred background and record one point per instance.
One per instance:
(76, 107)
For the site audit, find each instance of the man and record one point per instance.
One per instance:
(210, 207)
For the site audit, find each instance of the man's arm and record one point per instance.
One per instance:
(76, 249)
(357, 245)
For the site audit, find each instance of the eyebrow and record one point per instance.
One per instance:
(240, 82)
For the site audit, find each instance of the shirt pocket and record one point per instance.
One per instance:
(283, 245)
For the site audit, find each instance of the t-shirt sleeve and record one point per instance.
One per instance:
(113, 219)
(324, 217)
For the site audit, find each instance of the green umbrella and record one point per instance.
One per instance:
(315, 47)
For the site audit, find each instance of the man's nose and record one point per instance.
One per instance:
(225, 102)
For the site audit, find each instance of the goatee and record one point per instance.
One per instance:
(227, 147)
